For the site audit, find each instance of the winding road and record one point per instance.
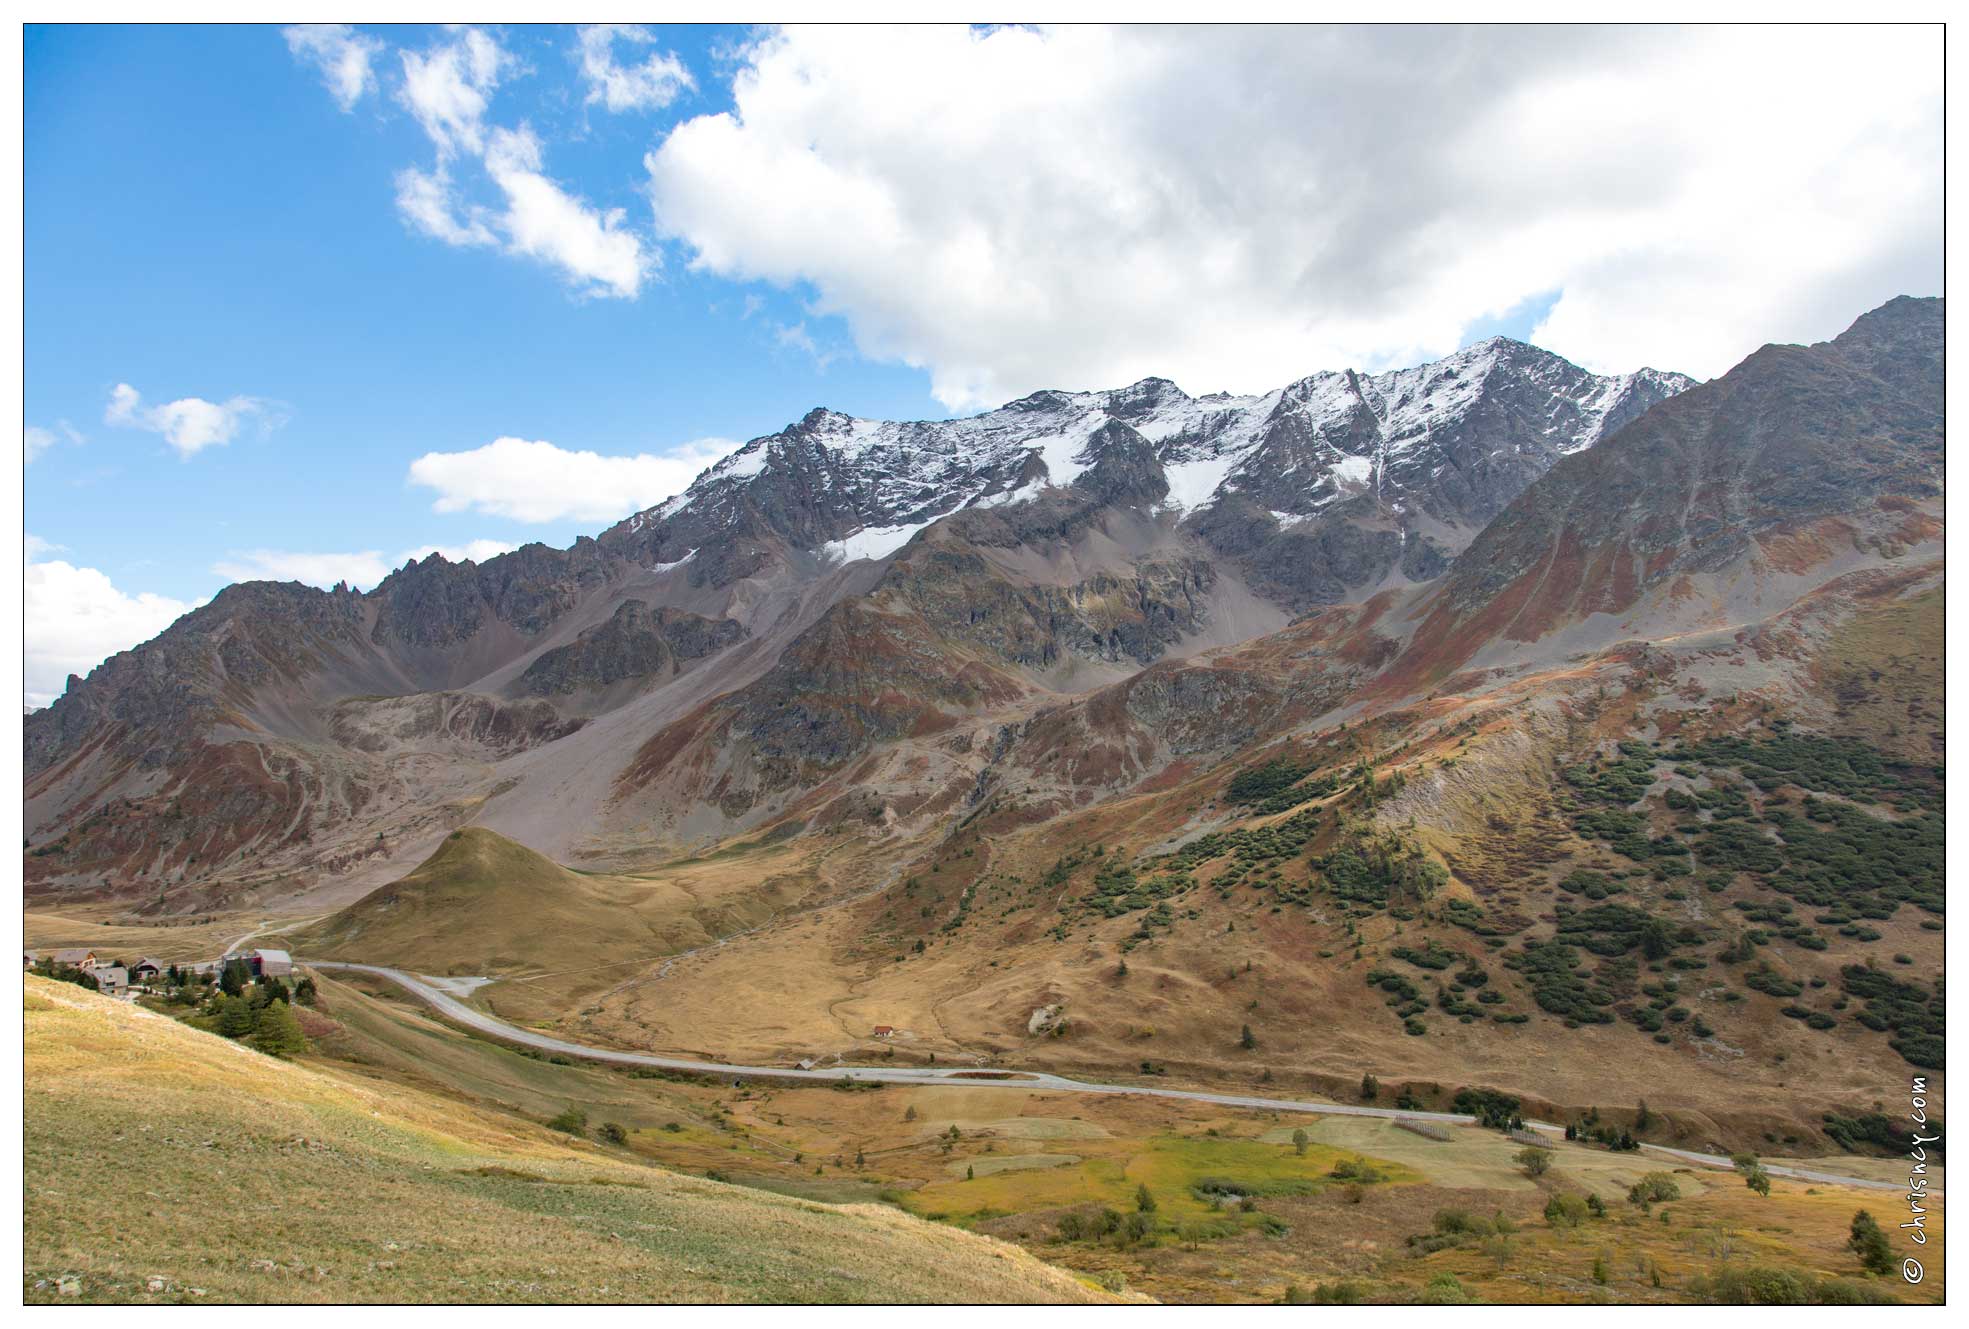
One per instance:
(433, 992)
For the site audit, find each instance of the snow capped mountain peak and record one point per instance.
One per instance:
(1443, 445)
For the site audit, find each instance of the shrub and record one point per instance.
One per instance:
(1534, 1159)
(1342, 1293)
(1355, 1169)
(1767, 1285)
(1565, 1211)
(1653, 1187)
(1913, 1012)
(571, 1121)
(1491, 1107)
(1870, 1244)
(1445, 1290)
(1868, 1131)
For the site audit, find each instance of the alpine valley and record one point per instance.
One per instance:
(1484, 727)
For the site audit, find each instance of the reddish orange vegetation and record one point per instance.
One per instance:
(1917, 527)
(225, 798)
(1171, 776)
(1801, 548)
(1445, 641)
(1660, 561)
(663, 747)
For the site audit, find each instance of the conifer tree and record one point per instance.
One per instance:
(236, 1018)
(277, 1033)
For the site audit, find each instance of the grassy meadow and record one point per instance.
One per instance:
(166, 1165)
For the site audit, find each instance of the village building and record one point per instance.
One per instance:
(32, 959)
(145, 970)
(270, 964)
(111, 980)
(77, 957)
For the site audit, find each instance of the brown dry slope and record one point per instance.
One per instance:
(315, 1187)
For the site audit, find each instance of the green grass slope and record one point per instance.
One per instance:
(167, 1165)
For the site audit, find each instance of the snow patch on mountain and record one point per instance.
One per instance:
(855, 488)
(870, 542)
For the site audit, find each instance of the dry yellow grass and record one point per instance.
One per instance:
(167, 1165)
(171, 943)
(482, 904)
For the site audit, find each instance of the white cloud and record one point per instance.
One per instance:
(539, 482)
(189, 424)
(649, 86)
(341, 55)
(1234, 207)
(362, 569)
(75, 618)
(795, 337)
(449, 89)
(427, 202)
(37, 439)
(472, 551)
(543, 221)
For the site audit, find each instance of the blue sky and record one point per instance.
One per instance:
(202, 220)
(302, 302)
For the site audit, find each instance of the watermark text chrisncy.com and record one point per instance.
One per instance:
(1917, 1181)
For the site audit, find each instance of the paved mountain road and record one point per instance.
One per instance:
(432, 991)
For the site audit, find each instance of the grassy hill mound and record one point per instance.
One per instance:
(168, 1165)
(484, 904)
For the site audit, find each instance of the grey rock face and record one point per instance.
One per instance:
(1791, 434)
(636, 642)
(1315, 492)
(1110, 616)
(1318, 490)
(160, 695)
(438, 603)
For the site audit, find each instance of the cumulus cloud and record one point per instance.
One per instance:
(340, 54)
(362, 569)
(648, 86)
(1012, 209)
(448, 90)
(74, 618)
(536, 481)
(189, 424)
